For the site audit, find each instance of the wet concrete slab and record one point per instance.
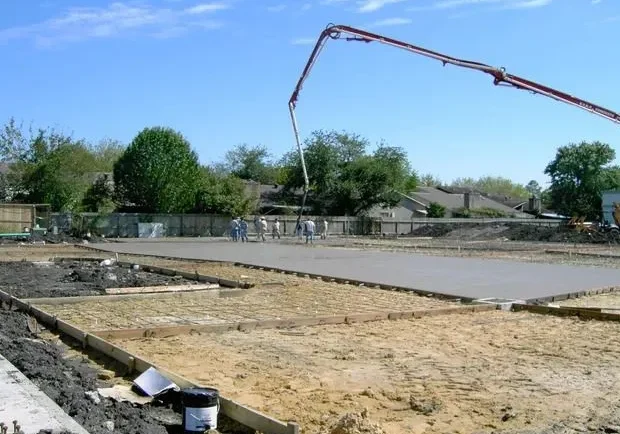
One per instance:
(464, 277)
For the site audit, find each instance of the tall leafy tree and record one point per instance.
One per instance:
(251, 163)
(533, 188)
(158, 172)
(429, 180)
(345, 178)
(222, 194)
(579, 173)
(496, 185)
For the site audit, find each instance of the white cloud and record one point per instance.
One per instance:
(528, 4)
(115, 20)
(277, 8)
(595, 2)
(504, 4)
(205, 8)
(306, 6)
(374, 5)
(303, 41)
(391, 22)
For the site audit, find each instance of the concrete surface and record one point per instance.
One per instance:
(34, 411)
(464, 277)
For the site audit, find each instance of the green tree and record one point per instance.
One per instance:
(579, 173)
(496, 185)
(533, 188)
(99, 197)
(58, 178)
(436, 210)
(429, 180)
(344, 178)
(251, 163)
(158, 172)
(222, 194)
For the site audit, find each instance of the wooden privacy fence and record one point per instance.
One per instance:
(15, 217)
(125, 225)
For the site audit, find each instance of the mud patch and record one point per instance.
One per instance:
(28, 280)
(67, 381)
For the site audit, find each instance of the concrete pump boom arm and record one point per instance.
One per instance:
(500, 77)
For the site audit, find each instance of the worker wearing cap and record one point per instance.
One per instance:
(275, 229)
(234, 229)
(324, 229)
(262, 228)
(243, 230)
(310, 227)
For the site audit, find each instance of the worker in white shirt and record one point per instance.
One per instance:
(309, 226)
(324, 229)
(275, 229)
(262, 228)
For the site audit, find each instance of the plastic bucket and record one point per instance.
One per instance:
(201, 406)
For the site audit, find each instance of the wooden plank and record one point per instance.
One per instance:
(44, 318)
(252, 418)
(55, 301)
(165, 331)
(366, 317)
(567, 311)
(246, 326)
(154, 289)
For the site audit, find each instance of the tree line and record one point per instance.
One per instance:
(159, 172)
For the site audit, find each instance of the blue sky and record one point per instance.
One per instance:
(222, 73)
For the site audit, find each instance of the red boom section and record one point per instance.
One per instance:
(499, 74)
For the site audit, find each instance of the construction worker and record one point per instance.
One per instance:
(234, 229)
(275, 229)
(324, 229)
(257, 227)
(262, 228)
(309, 226)
(243, 230)
(299, 229)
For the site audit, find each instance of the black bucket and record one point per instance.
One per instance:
(201, 406)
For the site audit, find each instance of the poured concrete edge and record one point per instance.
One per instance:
(571, 295)
(563, 311)
(245, 326)
(234, 410)
(323, 277)
(33, 410)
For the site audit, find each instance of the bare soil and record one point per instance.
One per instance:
(485, 372)
(66, 381)
(68, 279)
(276, 301)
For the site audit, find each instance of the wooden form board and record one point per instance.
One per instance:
(167, 331)
(581, 312)
(234, 410)
(157, 289)
(326, 278)
(571, 295)
(55, 301)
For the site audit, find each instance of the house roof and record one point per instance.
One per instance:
(426, 195)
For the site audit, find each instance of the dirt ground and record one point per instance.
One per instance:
(485, 372)
(305, 299)
(67, 279)
(66, 380)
